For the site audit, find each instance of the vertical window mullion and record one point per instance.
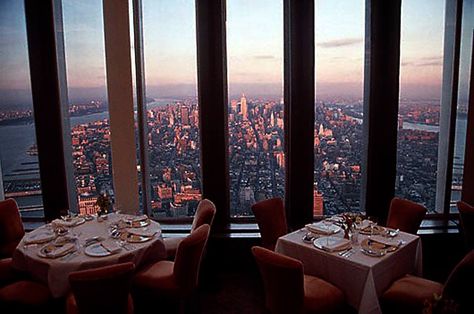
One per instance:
(468, 175)
(141, 105)
(212, 99)
(449, 101)
(381, 94)
(299, 109)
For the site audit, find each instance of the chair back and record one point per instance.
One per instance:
(103, 290)
(283, 281)
(466, 223)
(271, 220)
(188, 259)
(205, 213)
(458, 286)
(405, 215)
(11, 227)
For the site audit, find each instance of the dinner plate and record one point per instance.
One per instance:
(134, 238)
(324, 243)
(376, 230)
(374, 248)
(96, 250)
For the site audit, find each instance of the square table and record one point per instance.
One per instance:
(362, 278)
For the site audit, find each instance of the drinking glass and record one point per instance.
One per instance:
(326, 224)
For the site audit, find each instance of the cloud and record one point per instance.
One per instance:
(424, 62)
(264, 57)
(344, 42)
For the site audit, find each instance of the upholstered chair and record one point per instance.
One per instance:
(205, 213)
(21, 296)
(466, 223)
(405, 215)
(411, 294)
(172, 281)
(101, 290)
(271, 220)
(289, 290)
(11, 227)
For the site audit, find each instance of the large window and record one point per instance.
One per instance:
(339, 42)
(255, 70)
(420, 92)
(18, 151)
(465, 68)
(88, 108)
(172, 108)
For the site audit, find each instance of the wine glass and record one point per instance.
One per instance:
(327, 224)
(373, 223)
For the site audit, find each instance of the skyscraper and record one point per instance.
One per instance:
(243, 107)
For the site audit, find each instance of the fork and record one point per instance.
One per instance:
(343, 253)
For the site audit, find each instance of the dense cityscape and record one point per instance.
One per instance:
(256, 155)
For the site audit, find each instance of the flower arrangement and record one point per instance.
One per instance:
(348, 222)
(104, 203)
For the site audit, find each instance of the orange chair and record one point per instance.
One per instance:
(288, 290)
(466, 222)
(176, 280)
(410, 294)
(405, 215)
(11, 227)
(271, 220)
(101, 290)
(204, 215)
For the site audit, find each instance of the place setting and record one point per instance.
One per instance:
(378, 246)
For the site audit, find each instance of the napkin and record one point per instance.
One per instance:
(111, 246)
(364, 224)
(66, 223)
(60, 251)
(39, 237)
(334, 244)
(142, 232)
(385, 241)
(319, 227)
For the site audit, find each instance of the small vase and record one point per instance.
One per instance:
(346, 234)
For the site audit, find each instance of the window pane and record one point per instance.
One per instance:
(339, 37)
(461, 122)
(18, 153)
(255, 69)
(420, 92)
(89, 117)
(172, 108)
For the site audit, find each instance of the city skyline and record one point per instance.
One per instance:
(254, 61)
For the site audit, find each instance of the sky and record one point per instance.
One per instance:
(254, 48)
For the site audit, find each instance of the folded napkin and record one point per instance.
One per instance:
(321, 228)
(334, 244)
(56, 251)
(37, 237)
(111, 246)
(145, 232)
(364, 224)
(67, 223)
(385, 241)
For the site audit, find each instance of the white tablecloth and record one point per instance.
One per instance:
(362, 278)
(55, 272)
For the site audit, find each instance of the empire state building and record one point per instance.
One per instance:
(243, 107)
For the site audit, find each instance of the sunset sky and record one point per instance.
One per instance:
(254, 47)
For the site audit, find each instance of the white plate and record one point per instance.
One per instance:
(321, 228)
(96, 250)
(320, 243)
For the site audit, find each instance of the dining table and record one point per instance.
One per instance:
(53, 251)
(361, 275)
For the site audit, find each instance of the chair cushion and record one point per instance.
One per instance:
(409, 294)
(25, 293)
(157, 279)
(171, 246)
(320, 296)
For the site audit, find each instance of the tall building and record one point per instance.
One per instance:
(318, 203)
(243, 107)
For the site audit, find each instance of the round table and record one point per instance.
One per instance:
(55, 271)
